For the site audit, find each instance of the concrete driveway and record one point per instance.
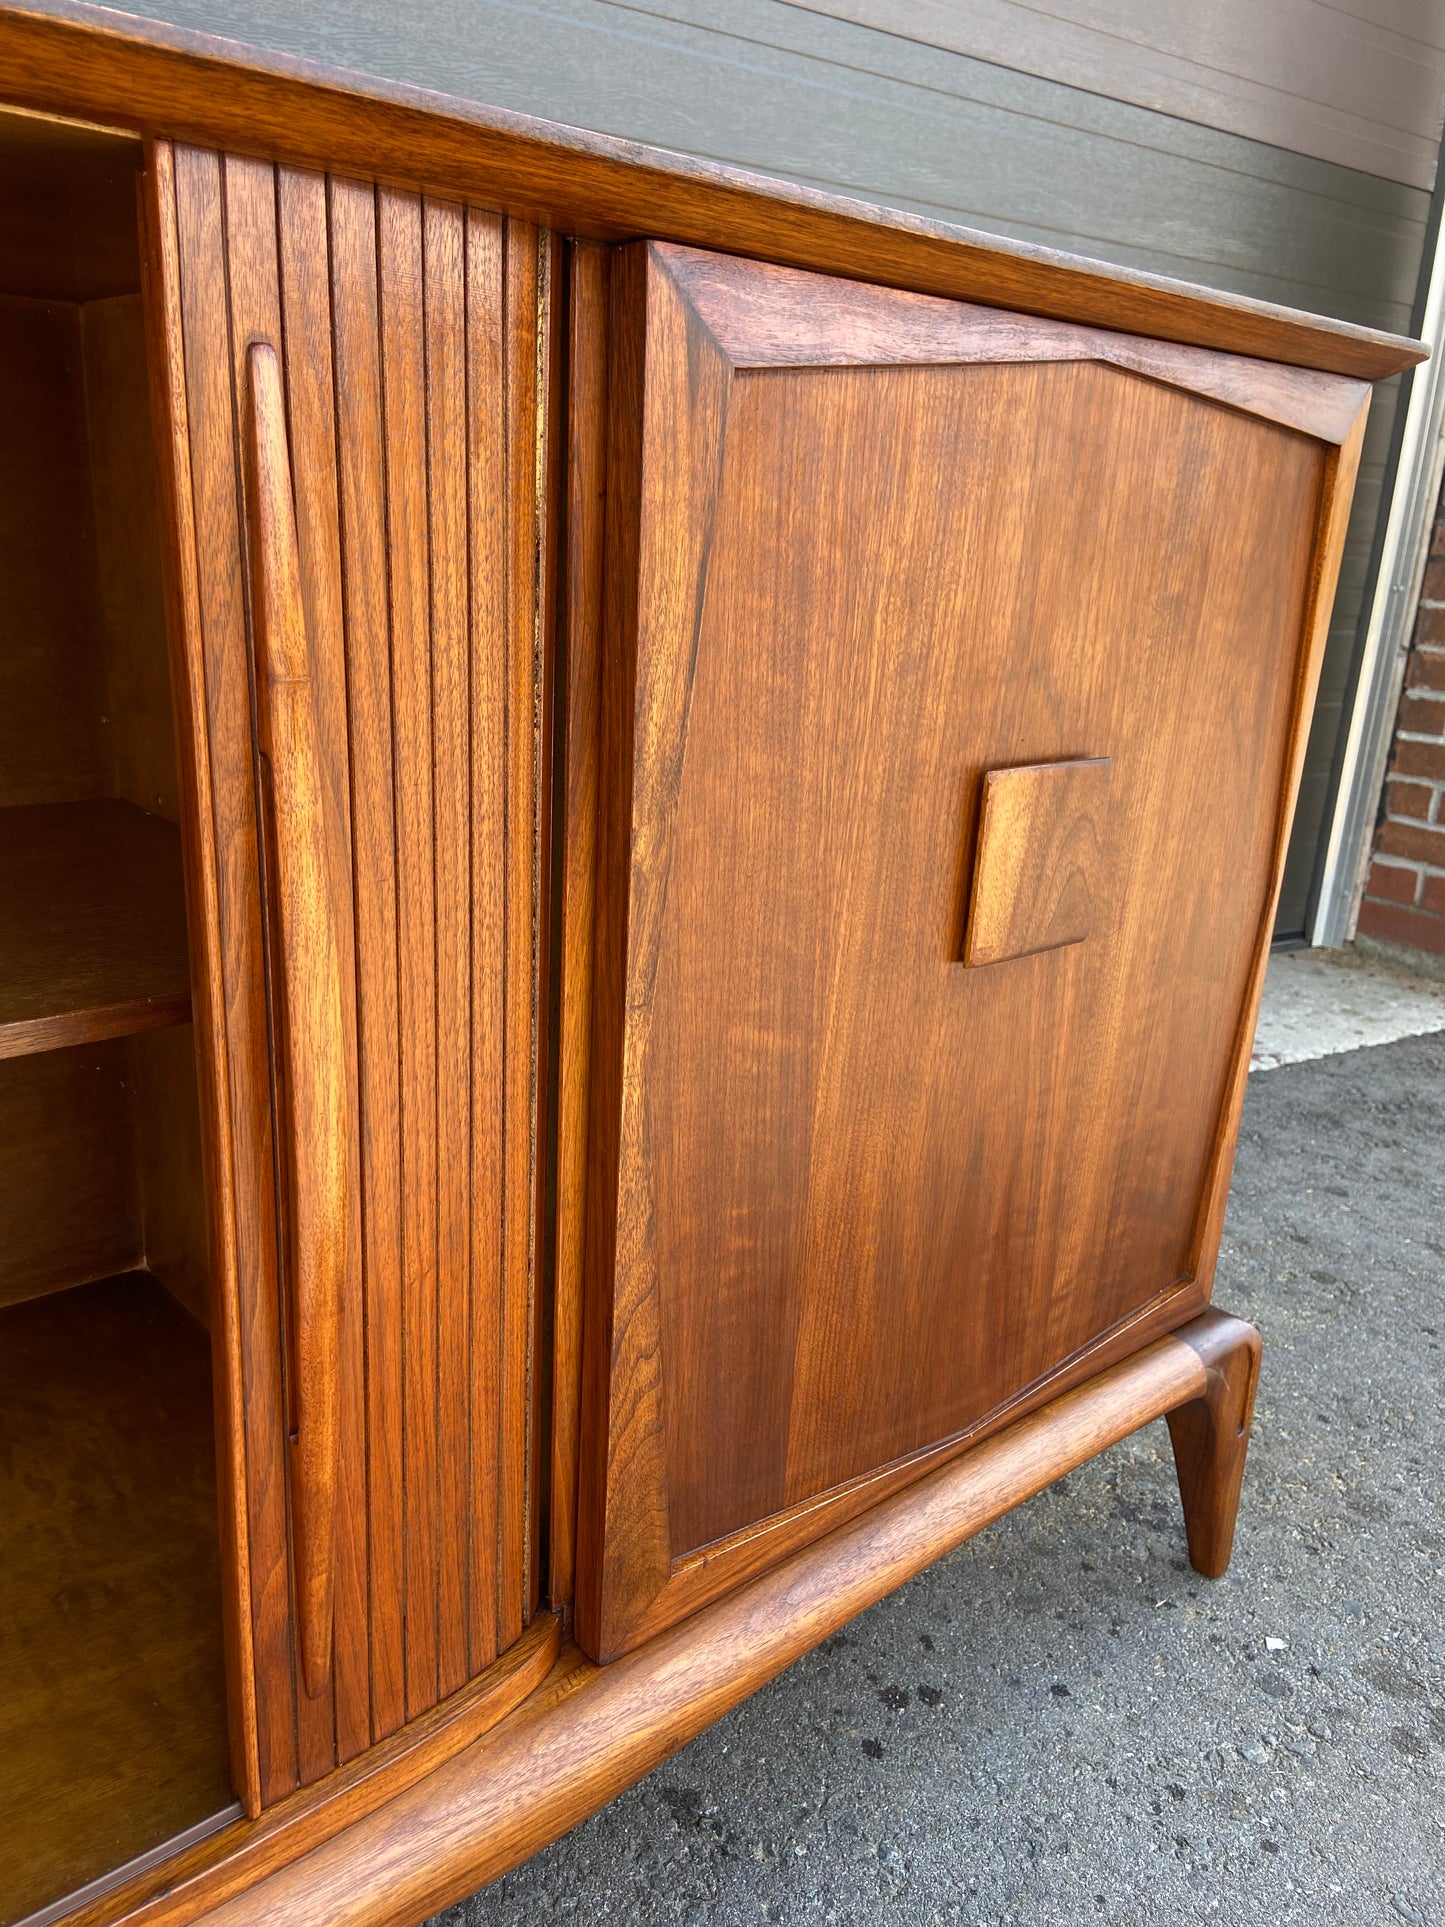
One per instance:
(1062, 1723)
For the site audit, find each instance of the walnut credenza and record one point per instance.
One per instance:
(640, 815)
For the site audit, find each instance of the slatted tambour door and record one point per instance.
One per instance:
(360, 365)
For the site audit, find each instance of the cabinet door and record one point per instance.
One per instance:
(956, 670)
(351, 374)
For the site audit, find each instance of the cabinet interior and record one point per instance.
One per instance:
(112, 1691)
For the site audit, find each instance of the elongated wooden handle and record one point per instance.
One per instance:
(309, 1015)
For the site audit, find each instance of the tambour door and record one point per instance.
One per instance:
(951, 670)
(352, 379)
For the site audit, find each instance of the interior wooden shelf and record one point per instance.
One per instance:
(92, 925)
(112, 1677)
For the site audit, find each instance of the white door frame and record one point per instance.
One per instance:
(1389, 628)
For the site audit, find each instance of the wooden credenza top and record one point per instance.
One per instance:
(64, 57)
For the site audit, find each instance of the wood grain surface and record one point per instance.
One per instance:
(195, 1880)
(160, 245)
(112, 1685)
(68, 1195)
(763, 316)
(1210, 1436)
(579, 754)
(139, 731)
(52, 662)
(590, 1731)
(848, 1202)
(92, 925)
(891, 621)
(85, 709)
(311, 1067)
(1041, 834)
(67, 210)
(169, 1166)
(76, 59)
(407, 333)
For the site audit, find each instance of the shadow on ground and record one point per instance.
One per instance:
(1062, 1723)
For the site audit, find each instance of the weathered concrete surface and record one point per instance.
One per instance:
(1320, 1001)
(1062, 1723)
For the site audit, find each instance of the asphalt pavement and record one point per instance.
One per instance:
(1062, 1722)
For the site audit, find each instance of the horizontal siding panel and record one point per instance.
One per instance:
(1361, 86)
(889, 120)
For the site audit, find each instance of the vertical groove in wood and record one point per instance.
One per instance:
(577, 737)
(166, 341)
(361, 477)
(446, 346)
(311, 404)
(486, 489)
(404, 390)
(549, 435)
(520, 349)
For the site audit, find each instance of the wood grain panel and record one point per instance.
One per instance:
(67, 1178)
(310, 1046)
(67, 210)
(171, 408)
(1332, 518)
(310, 381)
(140, 726)
(356, 342)
(547, 614)
(590, 1731)
(1037, 872)
(410, 332)
(527, 295)
(488, 480)
(198, 304)
(403, 350)
(112, 1688)
(250, 286)
(190, 1882)
(52, 691)
(444, 248)
(92, 925)
(581, 696)
(847, 1203)
(766, 317)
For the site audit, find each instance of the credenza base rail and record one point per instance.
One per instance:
(588, 1732)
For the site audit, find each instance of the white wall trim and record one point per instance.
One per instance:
(1389, 627)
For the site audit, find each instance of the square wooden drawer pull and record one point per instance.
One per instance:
(1040, 847)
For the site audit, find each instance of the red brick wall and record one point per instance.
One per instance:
(1405, 893)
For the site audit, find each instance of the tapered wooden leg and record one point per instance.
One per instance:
(1211, 1436)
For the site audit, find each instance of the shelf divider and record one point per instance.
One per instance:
(92, 925)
